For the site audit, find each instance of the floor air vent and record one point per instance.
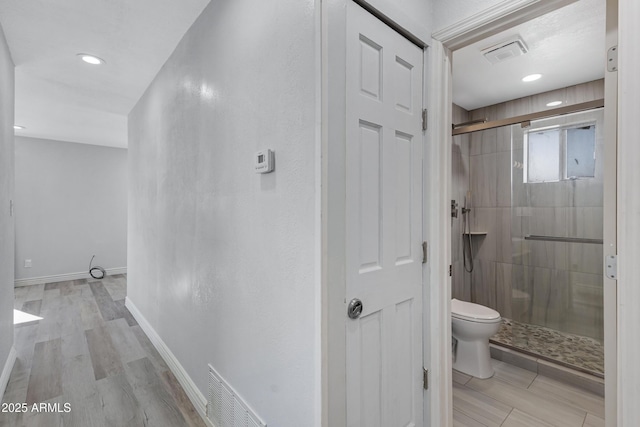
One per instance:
(225, 408)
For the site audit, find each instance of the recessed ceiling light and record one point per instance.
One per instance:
(90, 59)
(531, 77)
(554, 103)
(18, 127)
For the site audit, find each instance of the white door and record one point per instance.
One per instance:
(383, 224)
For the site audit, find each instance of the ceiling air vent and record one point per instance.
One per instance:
(505, 50)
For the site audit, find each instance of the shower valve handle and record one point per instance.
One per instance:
(454, 209)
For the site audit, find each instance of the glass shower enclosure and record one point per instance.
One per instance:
(556, 230)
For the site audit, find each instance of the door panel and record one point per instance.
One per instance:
(403, 197)
(384, 224)
(370, 67)
(369, 191)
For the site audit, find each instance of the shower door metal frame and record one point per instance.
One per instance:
(525, 118)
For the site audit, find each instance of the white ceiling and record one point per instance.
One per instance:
(566, 46)
(60, 97)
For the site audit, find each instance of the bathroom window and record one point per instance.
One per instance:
(560, 153)
(580, 152)
(543, 155)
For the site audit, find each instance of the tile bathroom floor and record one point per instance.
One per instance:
(517, 397)
(583, 353)
(88, 351)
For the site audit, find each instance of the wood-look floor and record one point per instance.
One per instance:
(515, 397)
(89, 351)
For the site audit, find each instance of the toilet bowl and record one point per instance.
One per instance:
(471, 326)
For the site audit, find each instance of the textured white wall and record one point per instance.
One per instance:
(221, 259)
(6, 194)
(71, 203)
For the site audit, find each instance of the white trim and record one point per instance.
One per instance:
(611, 202)
(319, 362)
(493, 20)
(628, 215)
(480, 19)
(437, 305)
(196, 397)
(6, 371)
(334, 115)
(64, 277)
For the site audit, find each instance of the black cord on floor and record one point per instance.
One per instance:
(96, 272)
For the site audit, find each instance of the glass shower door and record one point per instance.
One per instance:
(556, 239)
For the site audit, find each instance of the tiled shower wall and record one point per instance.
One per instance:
(460, 184)
(561, 281)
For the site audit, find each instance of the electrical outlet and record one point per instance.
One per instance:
(27, 263)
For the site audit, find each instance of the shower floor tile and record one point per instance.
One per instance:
(582, 353)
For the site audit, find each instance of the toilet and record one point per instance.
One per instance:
(472, 325)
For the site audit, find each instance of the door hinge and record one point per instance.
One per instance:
(424, 252)
(425, 378)
(450, 270)
(611, 263)
(612, 59)
(424, 119)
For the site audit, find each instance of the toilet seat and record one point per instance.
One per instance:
(473, 312)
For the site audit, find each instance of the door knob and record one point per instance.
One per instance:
(355, 308)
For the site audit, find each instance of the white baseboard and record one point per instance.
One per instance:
(64, 277)
(196, 397)
(6, 371)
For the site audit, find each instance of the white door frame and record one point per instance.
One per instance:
(491, 21)
(610, 243)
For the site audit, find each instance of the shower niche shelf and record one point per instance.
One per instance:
(476, 233)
